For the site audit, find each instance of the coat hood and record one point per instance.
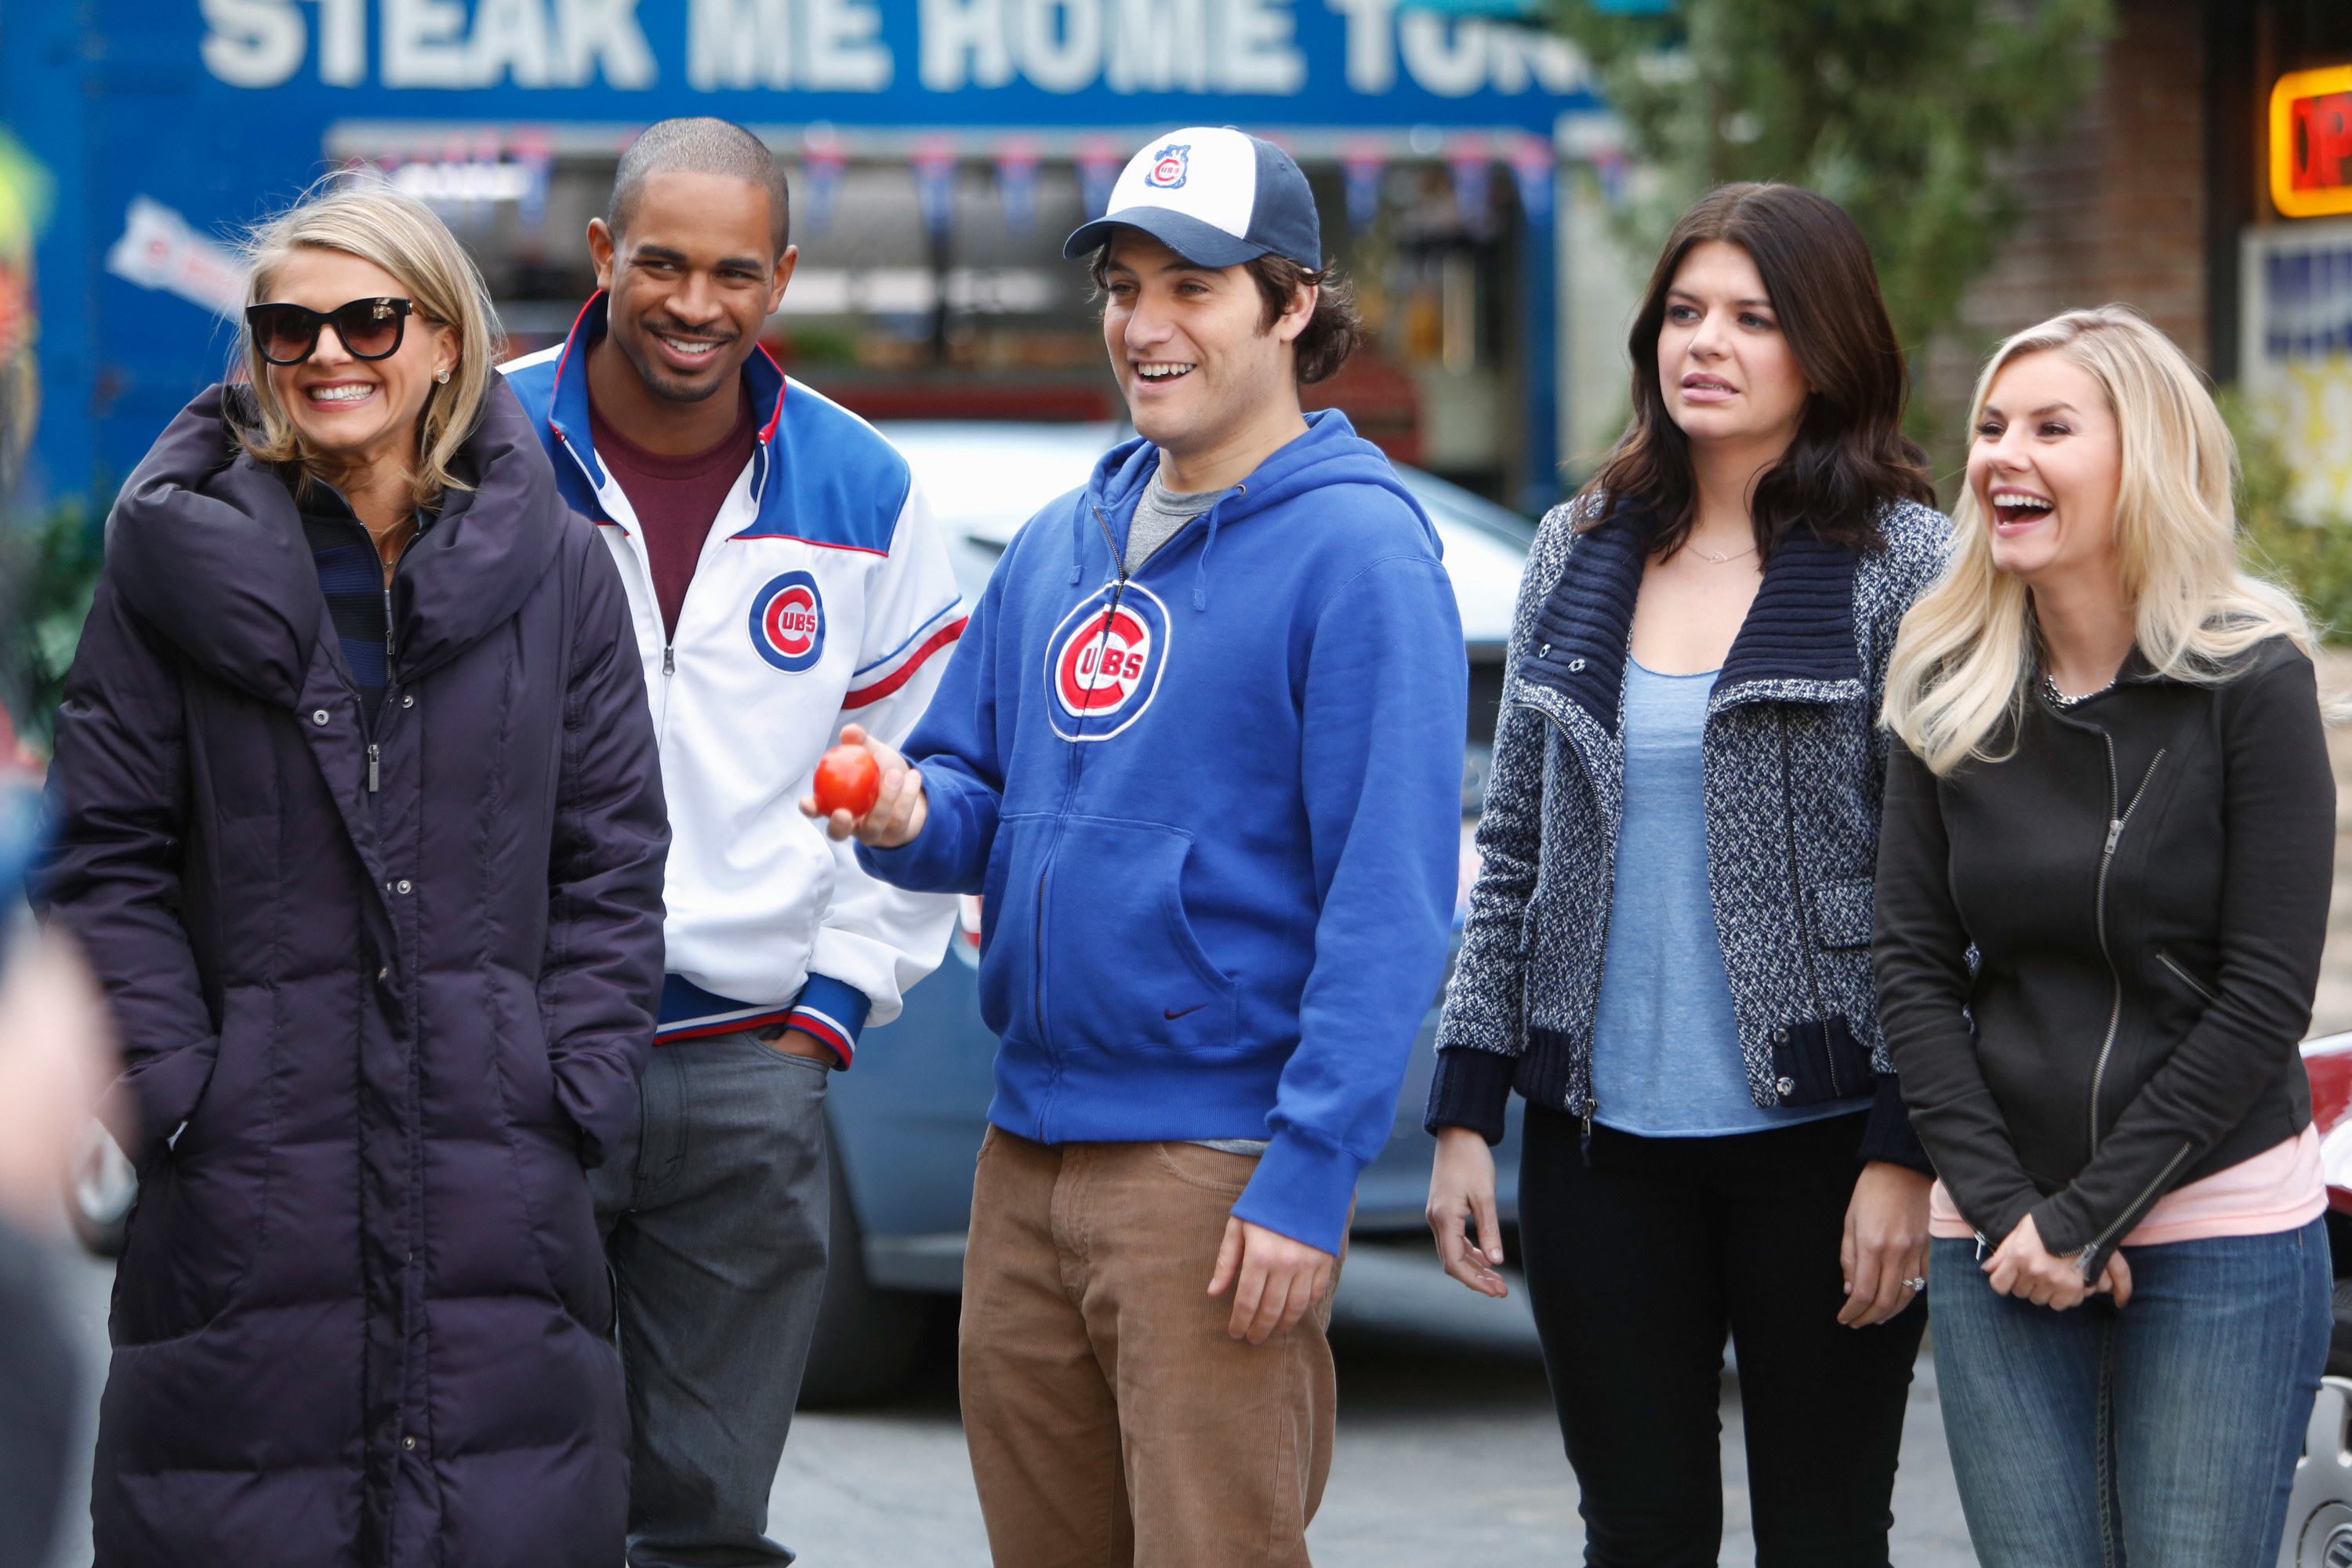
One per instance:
(1330, 453)
(207, 545)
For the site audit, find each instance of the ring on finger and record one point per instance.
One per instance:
(1914, 1284)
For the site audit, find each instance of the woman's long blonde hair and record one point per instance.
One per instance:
(400, 234)
(1968, 648)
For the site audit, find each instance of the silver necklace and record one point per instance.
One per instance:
(2060, 701)
(1711, 555)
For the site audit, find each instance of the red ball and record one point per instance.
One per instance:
(847, 779)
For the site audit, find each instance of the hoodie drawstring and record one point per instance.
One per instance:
(1200, 572)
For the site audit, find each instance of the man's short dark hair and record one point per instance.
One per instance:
(700, 145)
(1333, 332)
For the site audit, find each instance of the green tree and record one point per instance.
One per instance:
(2313, 559)
(48, 572)
(1902, 111)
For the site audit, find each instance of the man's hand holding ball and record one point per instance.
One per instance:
(899, 807)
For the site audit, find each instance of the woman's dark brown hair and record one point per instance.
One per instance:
(1850, 457)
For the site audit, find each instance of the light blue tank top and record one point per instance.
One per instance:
(1665, 1049)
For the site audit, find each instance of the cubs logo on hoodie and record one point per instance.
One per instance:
(1106, 659)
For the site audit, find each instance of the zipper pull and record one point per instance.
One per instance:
(371, 767)
(669, 659)
(1983, 1241)
(2114, 831)
(1584, 1141)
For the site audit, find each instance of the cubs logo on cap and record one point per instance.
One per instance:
(1168, 167)
(1215, 196)
(788, 622)
(1105, 661)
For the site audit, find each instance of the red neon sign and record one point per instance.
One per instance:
(2311, 142)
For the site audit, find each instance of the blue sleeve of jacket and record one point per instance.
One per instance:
(957, 744)
(1386, 706)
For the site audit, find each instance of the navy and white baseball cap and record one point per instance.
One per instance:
(1215, 196)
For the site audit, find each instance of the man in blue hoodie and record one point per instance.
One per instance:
(1200, 753)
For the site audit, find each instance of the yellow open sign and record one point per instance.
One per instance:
(2311, 142)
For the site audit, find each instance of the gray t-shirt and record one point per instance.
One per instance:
(1157, 516)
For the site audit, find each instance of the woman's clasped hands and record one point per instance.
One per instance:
(2022, 1267)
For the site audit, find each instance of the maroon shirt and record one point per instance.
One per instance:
(676, 498)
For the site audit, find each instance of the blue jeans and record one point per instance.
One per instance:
(2162, 1436)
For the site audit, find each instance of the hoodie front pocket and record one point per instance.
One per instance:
(1124, 971)
(1012, 927)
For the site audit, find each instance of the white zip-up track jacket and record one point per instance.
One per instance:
(823, 596)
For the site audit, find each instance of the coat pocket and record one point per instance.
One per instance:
(1123, 969)
(2181, 972)
(200, 1221)
(556, 1201)
(1840, 912)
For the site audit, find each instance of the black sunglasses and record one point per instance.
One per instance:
(288, 334)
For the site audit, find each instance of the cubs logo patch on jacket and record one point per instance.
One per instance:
(823, 596)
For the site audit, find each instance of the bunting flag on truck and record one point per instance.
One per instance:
(1470, 159)
(822, 162)
(934, 164)
(1099, 161)
(1016, 183)
(1531, 168)
(1361, 165)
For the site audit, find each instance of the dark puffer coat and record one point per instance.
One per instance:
(375, 1019)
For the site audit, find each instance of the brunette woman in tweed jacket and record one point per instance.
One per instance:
(1667, 950)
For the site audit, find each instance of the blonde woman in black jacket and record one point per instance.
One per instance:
(2113, 785)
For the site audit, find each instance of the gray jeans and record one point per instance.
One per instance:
(714, 1219)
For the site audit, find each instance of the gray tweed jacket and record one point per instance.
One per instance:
(1795, 764)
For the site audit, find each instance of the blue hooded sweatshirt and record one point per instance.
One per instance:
(1213, 811)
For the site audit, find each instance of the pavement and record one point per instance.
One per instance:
(1447, 1448)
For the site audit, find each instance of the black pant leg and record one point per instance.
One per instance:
(1822, 1404)
(1622, 1263)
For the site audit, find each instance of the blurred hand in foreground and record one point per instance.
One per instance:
(56, 1056)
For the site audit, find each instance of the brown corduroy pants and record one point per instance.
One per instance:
(1113, 1423)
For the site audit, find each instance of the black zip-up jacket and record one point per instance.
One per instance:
(2146, 883)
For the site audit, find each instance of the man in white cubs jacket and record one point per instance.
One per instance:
(784, 579)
